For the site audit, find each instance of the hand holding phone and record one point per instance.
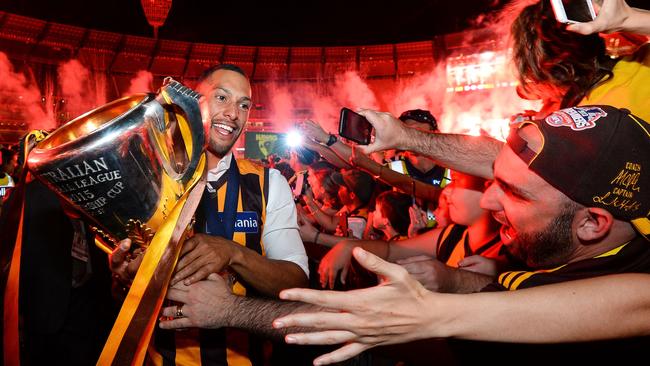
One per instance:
(356, 225)
(355, 127)
(573, 11)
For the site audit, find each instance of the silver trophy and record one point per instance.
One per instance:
(124, 165)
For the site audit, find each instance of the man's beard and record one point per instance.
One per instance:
(551, 246)
(221, 150)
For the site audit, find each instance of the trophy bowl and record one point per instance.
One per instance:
(124, 165)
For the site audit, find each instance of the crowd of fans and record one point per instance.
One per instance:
(462, 215)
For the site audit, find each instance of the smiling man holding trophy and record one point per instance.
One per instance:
(136, 169)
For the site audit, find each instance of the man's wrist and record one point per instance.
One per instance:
(438, 324)
(236, 254)
(232, 304)
(331, 140)
(404, 139)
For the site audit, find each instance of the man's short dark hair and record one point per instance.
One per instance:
(306, 156)
(285, 169)
(357, 181)
(422, 116)
(395, 207)
(212, 69)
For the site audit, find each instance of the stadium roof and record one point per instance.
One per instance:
(273, 23)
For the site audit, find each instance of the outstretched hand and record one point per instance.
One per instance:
(395, 311)
(338, 259)
(313, 131)
(418, 219)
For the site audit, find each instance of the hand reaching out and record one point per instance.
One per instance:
(418, 219)
(611, 18)
(396, 311)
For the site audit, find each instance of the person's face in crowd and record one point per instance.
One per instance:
(379, 222)
(536, 218)
(293, 161)
(9, 167)
(442, 211)
(316, 186)
(463, 203)
(346, 196)
(411, 123)
(227, 104)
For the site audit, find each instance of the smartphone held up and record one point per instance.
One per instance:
(573, 11)
(354, 127)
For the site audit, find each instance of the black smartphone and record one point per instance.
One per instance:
(355, 127)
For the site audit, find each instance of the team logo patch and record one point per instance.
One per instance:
(578, 118)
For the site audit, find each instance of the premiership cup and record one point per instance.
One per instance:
(125, 165)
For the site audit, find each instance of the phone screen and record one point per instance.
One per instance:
(577, 10)
(574, 11)
(398, 166)
(357, 225)
(355, 127)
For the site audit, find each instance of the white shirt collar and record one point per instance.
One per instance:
(223, 165)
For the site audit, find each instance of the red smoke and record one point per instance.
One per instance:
(82, 90)
(141, 83)
(458, 110)
(20, 95)
(282, 109)
(321, 101)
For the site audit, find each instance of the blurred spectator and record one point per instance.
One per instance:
(323, 186)
(420, 218)
(322, 200)
(356, 188)
(433, 257)
(397, 179)
(391, 215)
(7, 168)
(418, 166)
(285, 169)
(299, 160)
(587, 74)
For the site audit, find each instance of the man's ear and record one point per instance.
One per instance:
(352, 194)
(593, 223)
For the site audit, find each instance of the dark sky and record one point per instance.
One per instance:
(288, 22)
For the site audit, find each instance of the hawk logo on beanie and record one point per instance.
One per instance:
(578, 118)
(601, 160)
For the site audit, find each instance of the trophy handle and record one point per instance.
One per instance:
(183, 102)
